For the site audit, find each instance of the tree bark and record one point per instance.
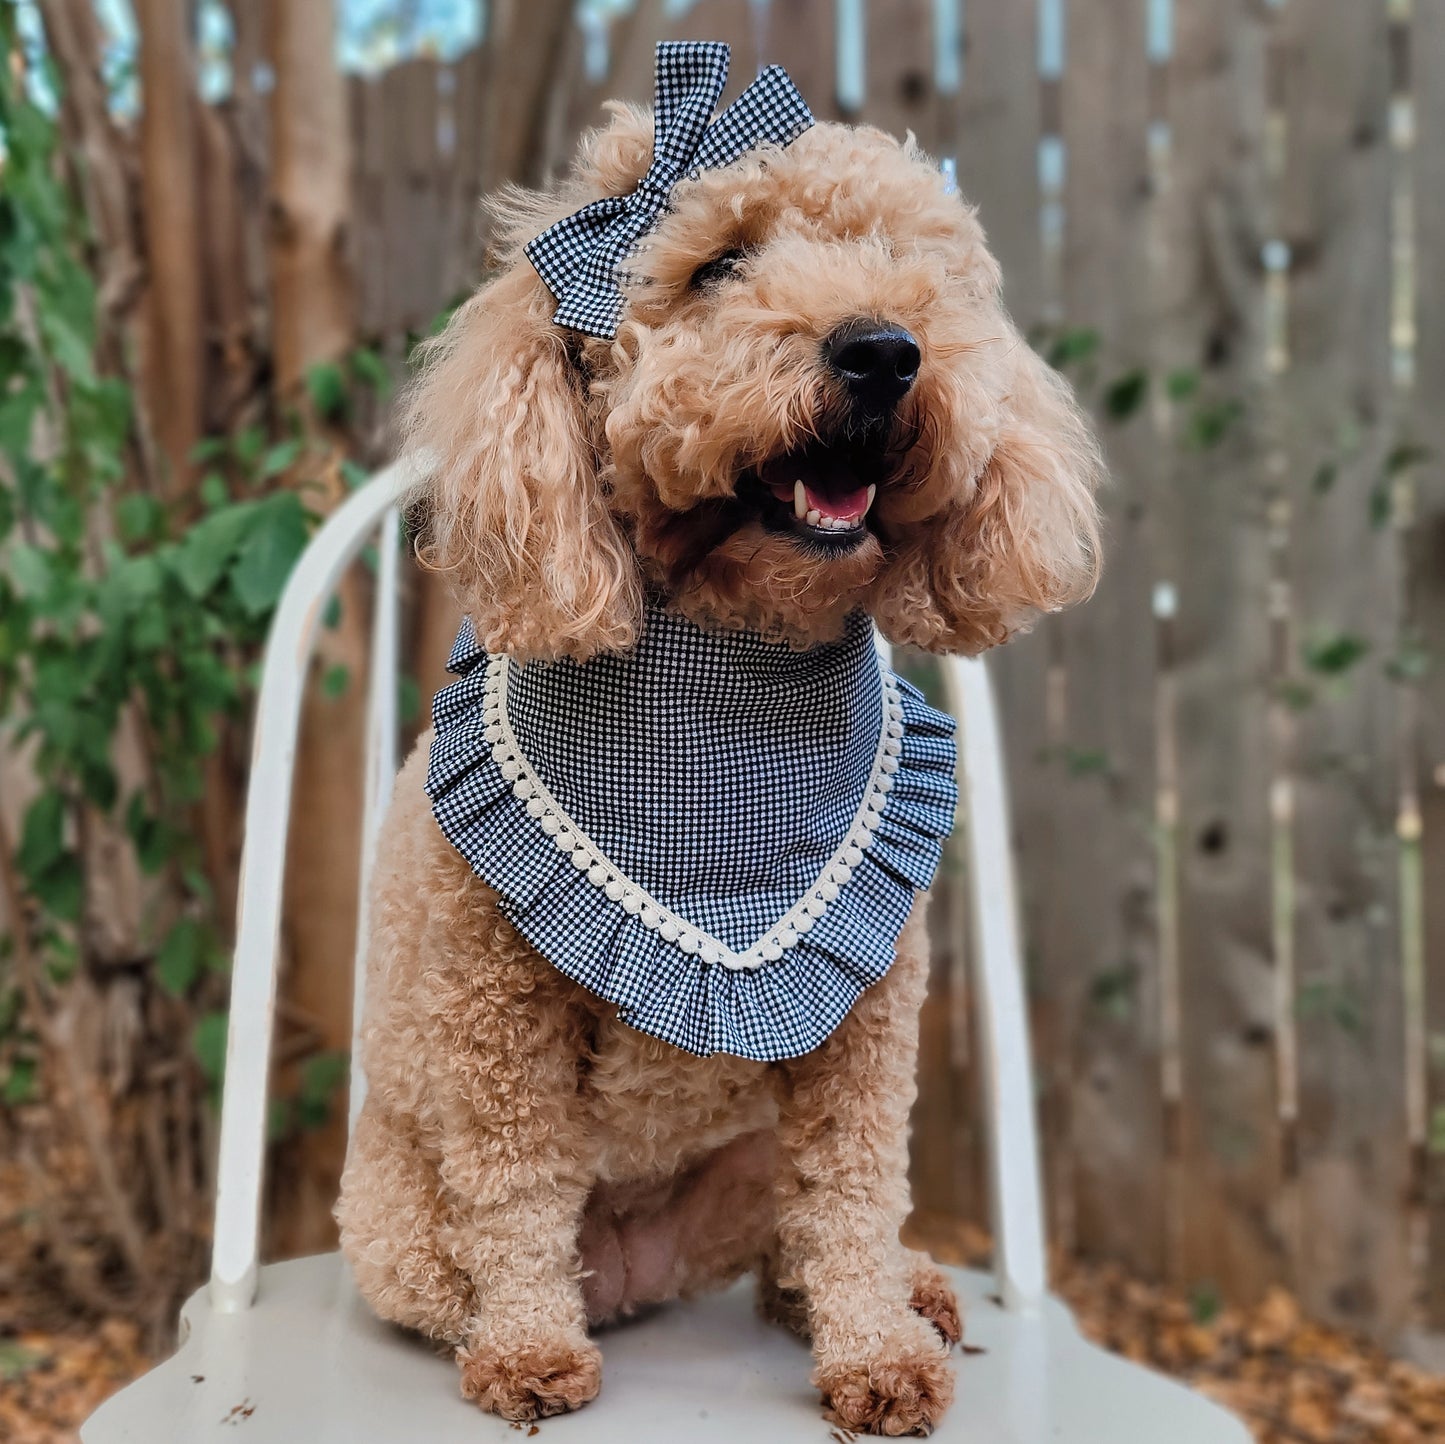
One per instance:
(170, 193)
(312, 288)
(313, 317)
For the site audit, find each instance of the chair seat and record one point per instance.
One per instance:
(309, 1363)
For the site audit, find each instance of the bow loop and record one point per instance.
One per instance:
(580, 257)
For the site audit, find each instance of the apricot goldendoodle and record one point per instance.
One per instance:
(813, 409)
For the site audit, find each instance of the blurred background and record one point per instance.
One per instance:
(224, 224)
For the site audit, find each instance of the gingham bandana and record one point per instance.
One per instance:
(718, 833)
(580, 257)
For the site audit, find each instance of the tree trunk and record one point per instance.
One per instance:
(313, 320)
(170, 192)
(313, 303)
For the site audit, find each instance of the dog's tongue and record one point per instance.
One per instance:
(837, 495)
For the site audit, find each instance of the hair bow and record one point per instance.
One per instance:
(580, 258)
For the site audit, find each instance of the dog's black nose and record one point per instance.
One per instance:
(876, 360)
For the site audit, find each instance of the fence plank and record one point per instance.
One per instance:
(420, 258)
(799, 35)
(1105, 959)
(1225, 1170)
(996, 145)
(1353, 1266)
(899, 75)
(1428, 590)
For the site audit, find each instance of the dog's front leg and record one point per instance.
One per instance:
(516, 1164)
(843, 1128)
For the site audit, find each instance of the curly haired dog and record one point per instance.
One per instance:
(526, 1165)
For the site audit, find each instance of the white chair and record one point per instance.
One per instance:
(290, 1353)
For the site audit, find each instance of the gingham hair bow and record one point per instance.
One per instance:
(580, 257)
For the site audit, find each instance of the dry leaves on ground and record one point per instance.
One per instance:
(1292, 1381)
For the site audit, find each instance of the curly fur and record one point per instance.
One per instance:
(526, 1168)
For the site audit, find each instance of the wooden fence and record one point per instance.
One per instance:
(1223, 216)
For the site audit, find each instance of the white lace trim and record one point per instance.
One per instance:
(636, 901)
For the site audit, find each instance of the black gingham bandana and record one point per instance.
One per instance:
(580, 257)
(720, 834)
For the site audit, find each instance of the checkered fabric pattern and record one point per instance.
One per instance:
(580, 258)
(719, 772)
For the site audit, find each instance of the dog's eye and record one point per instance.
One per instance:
(717, 269)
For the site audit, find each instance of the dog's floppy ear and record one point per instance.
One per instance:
(1023, 538)
(512, 511)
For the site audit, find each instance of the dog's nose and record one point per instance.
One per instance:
(876, 360)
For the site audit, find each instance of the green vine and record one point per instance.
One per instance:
(133, 607)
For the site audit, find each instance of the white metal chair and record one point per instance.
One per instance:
(290, 1353)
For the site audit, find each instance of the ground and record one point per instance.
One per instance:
(1295, 1383)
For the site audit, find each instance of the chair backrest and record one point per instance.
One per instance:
(372, 513)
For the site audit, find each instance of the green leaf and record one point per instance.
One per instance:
(1326, 475)
(369, 369)
(60, 889)
(270, 551)
(1381, 506)
(1205, 1303)
(1335, 655)
(70, 349)
(1126, 394)
(354, 474)
(42, 835)
(281, 457)
(181, 957)
(152, 838)
(208, 1044)
(202, 557)
(17, 1359)
(326, 387)
(1406, 455)
(280, 1119)
(1410, 663)
(408, 698)
(331, 616)
(1072, 347)
(323, 1075)
(30, 570)
(139, 516)
(19, 1087)
(248, 445)
(1180, 385)
(1211, 423)
(208, 449)
(1082, 762)
(1112, 992)
(131, 583)
(335, 680)
(214, 492)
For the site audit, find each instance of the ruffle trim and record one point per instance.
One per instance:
(794, 985)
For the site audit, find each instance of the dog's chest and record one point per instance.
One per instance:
(656, 1109)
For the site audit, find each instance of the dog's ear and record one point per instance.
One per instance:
(512, 511)
(1022, 538)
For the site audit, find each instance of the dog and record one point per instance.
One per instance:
(811, 407)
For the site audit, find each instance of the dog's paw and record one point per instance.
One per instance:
(904, 1391)
(532, 1383)
(934, 1299)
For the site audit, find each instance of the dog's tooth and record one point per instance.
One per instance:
(813, 517)
(800, 499)
(872, 492)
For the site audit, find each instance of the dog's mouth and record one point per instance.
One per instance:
(822, 493)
